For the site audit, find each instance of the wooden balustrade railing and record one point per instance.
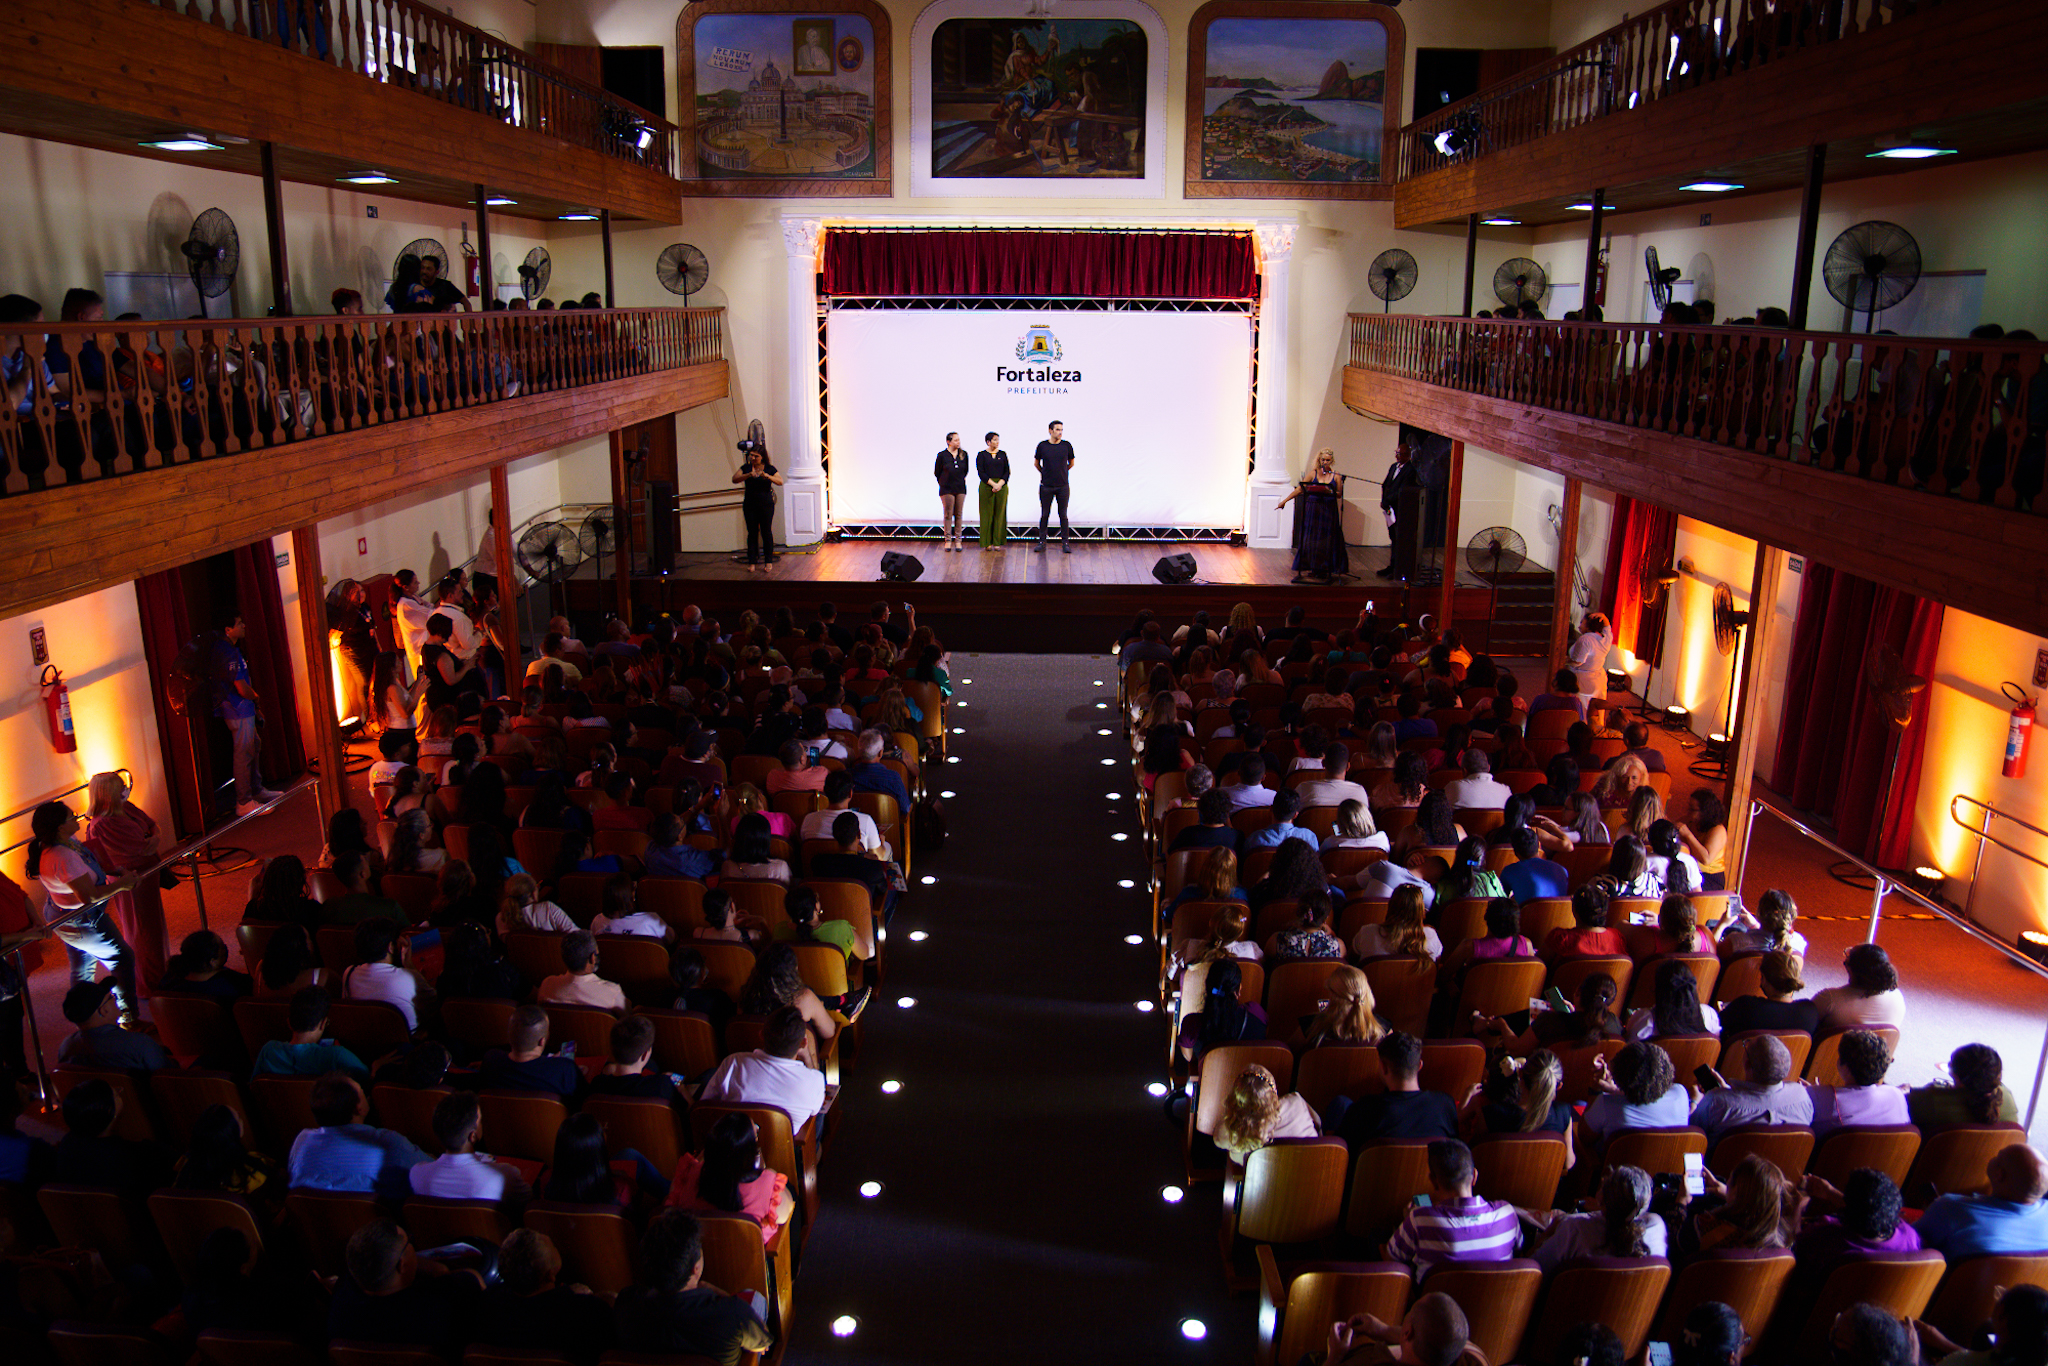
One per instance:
(1958, 418)
(1673, 48)
(412, 46)
(89, 401)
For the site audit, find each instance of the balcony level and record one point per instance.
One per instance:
(1732, 91)
(179, 438)
(1913, 462)
(388, 85)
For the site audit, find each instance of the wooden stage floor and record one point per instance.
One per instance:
(1015, 599)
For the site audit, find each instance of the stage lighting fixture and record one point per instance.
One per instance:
(2034, 944)
(1677, 718)
(1459, 137)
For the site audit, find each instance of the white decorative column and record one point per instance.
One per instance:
(1266, 526)
(803, 471)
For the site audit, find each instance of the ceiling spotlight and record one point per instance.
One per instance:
(890, 1088)
(918, 936)
(1156, 1090)
(188, 142)
(870, 1189)
(1712, 186)
(1134, 939)
(845, 1324)
(1500, 222)
(1194, 1330)
(1910, 151)
(367, 178)
(1146, 1007)
(1460, 137)
(578, 218)
(1587, 207)
(1172, 1195)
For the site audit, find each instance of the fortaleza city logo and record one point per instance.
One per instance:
(1040, 351)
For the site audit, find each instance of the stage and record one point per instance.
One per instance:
(1017, 600)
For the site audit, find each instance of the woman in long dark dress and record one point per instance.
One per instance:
(1320, 550)
(757, 505)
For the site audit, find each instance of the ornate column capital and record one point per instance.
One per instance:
(1276, 243)
(800, 236)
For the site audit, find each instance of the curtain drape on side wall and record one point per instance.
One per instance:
(1834, 741)
(1637, 549)
(165, 629)
(1035, 264)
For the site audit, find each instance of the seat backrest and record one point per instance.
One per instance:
(479, 1022)
(281, 1107)
(94, 1217)
(1499, 1299)
(413, 891)
(75, 1342)
(1734, 1062)
(1953, 1161)
(1460, 920)
(650, 1127)
(536, 953)
(684, 1042)
(1323, 1293)
(1385, 1179)
(1788, 1147)
(1498, 986)
(581, 895)
(1338, 1069)
(536, 848)
(677, 900)
(732, 1247)
(1824, 1066)
(191, 1024)
(437, 1223)
(227, 1347)
(1889, 1148)
(1900, 1283)
(1344, 863)
(325, 1221)
(1970, 1288)
(1293, 1191)
(1747, 1280)
(1689, 1052)
(823, 968)
(1543, 914)
(1621, 1292)
(758, 897)
(134, 1123)
(1579, 1066)
(522, 1124)
(1294, 990)
(1741, 975)
(727, 966)
(1221, 1067)
(1706, 972)
(639, 965)
(181, 1097)
(596, 1243)
(845, 899)
(1568, 975)
(184, 1219)
(1656, 1150)
(1522, 1169)
(1403, 985)
(409, 1111)
(369, 1029)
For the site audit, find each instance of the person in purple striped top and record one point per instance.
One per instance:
(1456, 1226)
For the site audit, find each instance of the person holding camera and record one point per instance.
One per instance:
(758, 504)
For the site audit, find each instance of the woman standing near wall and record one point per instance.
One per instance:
(757, 504)
(992, 467)
(122, 835)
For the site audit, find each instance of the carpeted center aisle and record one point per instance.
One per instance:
(1020, 1218)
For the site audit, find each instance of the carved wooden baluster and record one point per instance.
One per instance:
(1973, 428)
(2020, 377)
(1919, 403)
(259, 382)
(1852, 414)
(13, 436)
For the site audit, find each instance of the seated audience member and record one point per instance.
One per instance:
(883, 880)
(1864, 1099)
(870, 775)
(1335, 787)
(1975, 1093)
(730, 1178)
(1402, 932)
(1503, 938)
(1622, 1226)
(629, 1072)
(95, 1009)
(289, 965)
(1770, 928)
(529, 1309)
(1310, 936)
(1635, 737)
(1478, 789)
(1867, 1334)
(357, 902)
(1286, 805)
(309, 1052)
(1350, 1015)
(381, 972)
(795, 773)
(413, 849)
(201, 966)
(1711, 1335)
(1779, 1007)
(1564, 695)
(777, 1073)
(89, 1153)
(1756, 1208)
(1255, 1113)
(806, 925)
(1588, 936)
(751, 856)
(1411, 723)
(1354, 828)
(687, 970)
(2019, 1333)
(1468, 878)
(1246, 787)
(580, 985)
(1872, 996)
(1456, 1226)
(2012, 1217)
(1531, 876)
(521, 908)
(1865, 1215)
(1389, 875)
(21, 1155)
(1212, 828)
(620, 917)
(1223, 1018)
(668, 854)
(1434, 1332)
(344, 1153)
(1404, 1109)
(819, 825)
(525, 1064)
(461, 1172)
(1771, 1095)
(1638, 1090)
(1675, 1008)
(386, 1293)
(670, 1310)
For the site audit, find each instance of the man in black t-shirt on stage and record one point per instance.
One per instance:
(1054, 457)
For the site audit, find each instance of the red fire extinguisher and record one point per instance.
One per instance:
(2019, 731)
(57, 702)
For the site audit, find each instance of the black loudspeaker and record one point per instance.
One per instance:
(900, 568)
(662, 526)
(1174, 569)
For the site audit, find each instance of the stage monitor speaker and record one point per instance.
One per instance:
(662, 526)
(900, 568)
(1174, 569)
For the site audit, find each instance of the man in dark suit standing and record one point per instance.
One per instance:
(1401, 501)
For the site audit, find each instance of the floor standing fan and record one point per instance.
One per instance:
(1392, 276)
(1729, 625)
(534, 273)
(549, 553)
(1493, 554)
(1520, 281)
(1871, 267)
(598, 538)
(212, 252)
(682, 269)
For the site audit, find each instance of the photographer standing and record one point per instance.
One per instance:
(758, 504)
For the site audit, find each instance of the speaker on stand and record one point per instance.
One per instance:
(900, 568)
(1175, 568)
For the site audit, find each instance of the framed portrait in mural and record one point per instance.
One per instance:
(1065, 103)
(786, 98)
(1293, 99)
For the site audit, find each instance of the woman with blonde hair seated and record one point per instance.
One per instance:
(1617, 785)
(1229, 937)
(1214, 880)
(1756, 1208)
(1255, 1113)
(1381, 748)
(1350, 1015)
(1354, 829)
(1401, 933)
(746, 800)
(1645, 809)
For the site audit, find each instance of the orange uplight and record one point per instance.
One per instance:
(342, 699)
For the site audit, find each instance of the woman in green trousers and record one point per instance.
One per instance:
(993, 468)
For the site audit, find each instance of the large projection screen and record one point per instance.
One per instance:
(1157, 406)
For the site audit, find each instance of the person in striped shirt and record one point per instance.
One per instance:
(1456, 1226)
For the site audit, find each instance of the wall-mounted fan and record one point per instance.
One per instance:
(1869, 268)
(682, 269)
(212, 252)
(1392, 276)
(1518, 281)
(1662, 277)
(534, 273)
(1493, 554)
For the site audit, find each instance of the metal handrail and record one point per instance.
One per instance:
(1884, 885)
(67, 792)
(1984, 837)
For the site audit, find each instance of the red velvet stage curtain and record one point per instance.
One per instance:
(1638, 548)
(1031, 264)
(268, 648)
(166, 626)
(1834, 741)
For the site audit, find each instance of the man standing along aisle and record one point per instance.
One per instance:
(992, 467)
(949, 467)
(1054, 457)
(234, 702)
